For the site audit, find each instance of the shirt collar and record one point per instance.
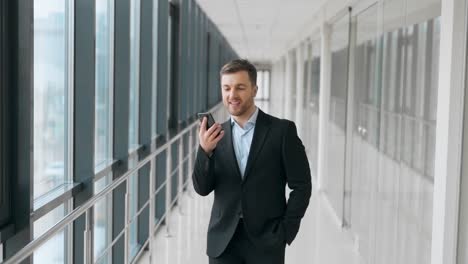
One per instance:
(252, 120)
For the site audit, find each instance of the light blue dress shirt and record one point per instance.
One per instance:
(242, 139)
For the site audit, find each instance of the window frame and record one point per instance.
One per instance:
(4, 114)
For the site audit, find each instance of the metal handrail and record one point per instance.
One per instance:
(29, 249)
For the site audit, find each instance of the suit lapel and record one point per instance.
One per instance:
(228, 148)
(262, 127)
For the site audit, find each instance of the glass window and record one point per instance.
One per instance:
(54, 250)
(155, 65)
(134, 72)
(266, 84)
(133, 209)
(102, 223)
(260, 91)
(53, 62)
(104, 78)
(103, 126)
(52, 88)
(135, 6)
(263, 83)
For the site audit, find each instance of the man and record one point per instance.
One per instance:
(247, 162)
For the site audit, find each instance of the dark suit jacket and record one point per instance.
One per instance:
(276, 157)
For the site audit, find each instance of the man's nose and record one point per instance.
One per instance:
(233, 93)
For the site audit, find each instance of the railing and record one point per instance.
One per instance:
(87, 208)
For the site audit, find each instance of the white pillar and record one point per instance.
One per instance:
(324, 101)
(300, 90)
(288, 86)
(449, 132)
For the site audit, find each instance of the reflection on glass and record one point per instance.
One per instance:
(134, 72)
(51, 91)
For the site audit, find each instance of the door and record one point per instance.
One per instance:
(336, 143)
(364, 129)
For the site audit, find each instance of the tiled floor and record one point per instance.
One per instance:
(320, 240)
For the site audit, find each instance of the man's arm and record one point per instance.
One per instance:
(299, 181)
(203, 173)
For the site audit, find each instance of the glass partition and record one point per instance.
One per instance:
(394, 82)
(365, 129)
(334, 181)
(313, 105)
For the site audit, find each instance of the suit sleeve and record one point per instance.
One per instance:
(298, 178)
(203, 173)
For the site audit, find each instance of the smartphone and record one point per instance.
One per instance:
(211, 120)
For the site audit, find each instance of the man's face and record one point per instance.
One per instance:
(238, 92)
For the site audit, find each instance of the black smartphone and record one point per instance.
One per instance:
(211, 120)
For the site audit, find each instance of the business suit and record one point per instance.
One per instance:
(276, 157)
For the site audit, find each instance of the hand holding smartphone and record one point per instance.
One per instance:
(209, 138)
(210, 119)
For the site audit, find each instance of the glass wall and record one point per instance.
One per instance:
(312, 102)
(134, 72)
(135, 10)
(104, 83)
(393, 133)
(365, 129)
(104, 45)
(52, 90)
(53, 61)
(154, 105)
(107, 33)
(334, 181)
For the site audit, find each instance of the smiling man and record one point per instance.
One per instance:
(247, 161)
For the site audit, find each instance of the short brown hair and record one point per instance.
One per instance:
(238, 65)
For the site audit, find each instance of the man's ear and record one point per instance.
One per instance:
(255, 90)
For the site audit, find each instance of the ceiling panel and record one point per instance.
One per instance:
(260, 30)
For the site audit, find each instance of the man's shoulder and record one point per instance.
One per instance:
(276, 121)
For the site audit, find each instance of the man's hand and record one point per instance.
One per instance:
(210, 138)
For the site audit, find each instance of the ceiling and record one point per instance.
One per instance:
(260, 30)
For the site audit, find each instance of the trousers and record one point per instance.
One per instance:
(241, 250)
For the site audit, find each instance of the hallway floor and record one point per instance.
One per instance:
(320, 239)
